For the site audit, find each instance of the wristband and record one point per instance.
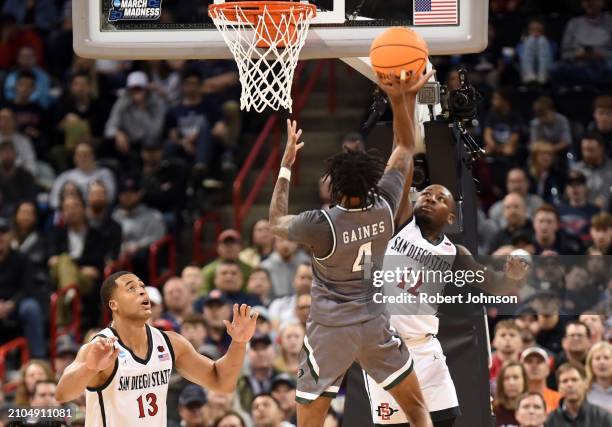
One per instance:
(285, 173)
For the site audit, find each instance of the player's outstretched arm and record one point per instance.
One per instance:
(495, 283)
(279, 206)
(87, 369)
(221, 375)
(402, 92)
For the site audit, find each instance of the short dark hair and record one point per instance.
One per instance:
(80, 74)
(568, 367)
(191, 72)
(577, 323)
(26, 74)
(194, 319)
(229, 262)
(108, 286)
(355, 174)
(264, 394)
(227, 414)
(46, 381)
(261, 270)
(529, 394)
(547, 207)
(593, 136)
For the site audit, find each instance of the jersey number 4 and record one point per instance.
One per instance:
(151, 399)
(365, 250)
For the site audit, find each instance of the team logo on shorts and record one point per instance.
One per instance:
(384, 411)
(134, 9)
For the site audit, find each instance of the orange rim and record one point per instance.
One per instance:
(252, 9)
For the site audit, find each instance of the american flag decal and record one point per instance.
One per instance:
(436, 12)
(164, 357)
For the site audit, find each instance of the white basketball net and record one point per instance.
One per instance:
(265, 73)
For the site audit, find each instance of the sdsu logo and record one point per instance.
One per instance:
(134, 9)
(384, 411)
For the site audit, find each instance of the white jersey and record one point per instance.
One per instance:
(410, 251)
(135, 393)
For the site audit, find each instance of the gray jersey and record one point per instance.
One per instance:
(348, 245)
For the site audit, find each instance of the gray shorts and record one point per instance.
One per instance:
(329, 351)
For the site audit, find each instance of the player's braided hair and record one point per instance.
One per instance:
(355, 174)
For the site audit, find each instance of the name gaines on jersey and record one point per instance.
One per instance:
(363, 232)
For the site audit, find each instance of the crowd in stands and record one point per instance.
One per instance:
(99, 159)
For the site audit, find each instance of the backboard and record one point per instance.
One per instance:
(181, 29)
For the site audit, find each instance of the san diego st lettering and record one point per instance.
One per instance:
(150, 379)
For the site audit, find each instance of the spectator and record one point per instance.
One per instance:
(26, 157)
(26, 61)
(13, 39)
(41, 14)
(551, 328)
(85, 172)
(17, 307)
(16, 183)
(229, 280)
(136, 117)
(191, 401)
(536, 362)
(595, 323)
(164, 182)
(65, 353)
(515, 217)
(156, 300)
(178, 302)
(28, 240)
(43, 394)
(76, 256)
(550, 126)
(78, 116)
(258, 379)
(259, 285)
(601, 232)
(195, 126)
(508, 345)
(536, 57)
(517, 181)
(266, 412)
(229, 245)
(531, 410)
(166, 79)
(579, 295)
(302, 308)
(29, 374)
(30, 117)
(575, 343)
(548, 236)
(586, 48)
(597, 168)
(216, 310)
(193, 329)
(602, 121)
(511, 384)
(230, 419)
(192, 277)
(546, 182)
(283, 390)
(262, 244)
(501, 135)
(291, 339)
(282, 265)
(99, 218)
(574, 409)
(140, 226)
(264, 325)
(599, 375)
(219, 404)
(283, 309)
(575, 216)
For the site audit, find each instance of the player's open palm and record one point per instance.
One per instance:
(408, 83)
(242, 326)
(292, 147)
(102, 353)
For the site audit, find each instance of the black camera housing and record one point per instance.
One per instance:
(462, 102)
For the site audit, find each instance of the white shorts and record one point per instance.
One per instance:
(436, 384)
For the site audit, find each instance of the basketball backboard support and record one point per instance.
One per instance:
(181, 29)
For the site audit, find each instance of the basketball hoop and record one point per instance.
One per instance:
(266, 38)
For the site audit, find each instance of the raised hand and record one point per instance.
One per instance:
(408, 83)
(292, 147)
(242, 327)
(102, 353)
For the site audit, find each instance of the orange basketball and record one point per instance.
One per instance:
(398, 49)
